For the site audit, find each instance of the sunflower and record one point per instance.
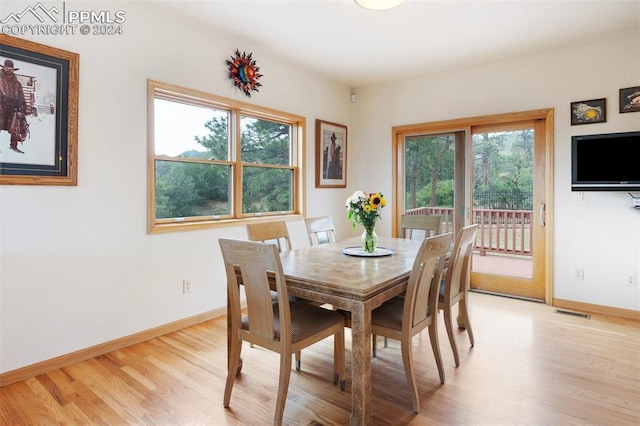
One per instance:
(377, 200)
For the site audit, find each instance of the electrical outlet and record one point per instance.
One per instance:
(186, 286)
(632, 280)
(579, 275)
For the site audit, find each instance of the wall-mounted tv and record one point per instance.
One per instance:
(606, 162)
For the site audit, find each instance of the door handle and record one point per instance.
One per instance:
(542, 215)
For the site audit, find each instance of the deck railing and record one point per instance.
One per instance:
(501, 231)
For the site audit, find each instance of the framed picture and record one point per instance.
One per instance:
(331, 155)
(630, 99)
(587, 112)
(39, 114)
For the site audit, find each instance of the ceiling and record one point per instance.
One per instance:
(358, 47)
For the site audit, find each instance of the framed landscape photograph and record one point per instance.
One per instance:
(630, 99)
(39, 114)
(331, 155)
(587, 112)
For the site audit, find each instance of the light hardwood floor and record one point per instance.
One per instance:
(530, 366)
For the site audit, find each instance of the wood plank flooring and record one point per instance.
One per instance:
(530, 366)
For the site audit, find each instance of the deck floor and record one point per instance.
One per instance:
(503, 264)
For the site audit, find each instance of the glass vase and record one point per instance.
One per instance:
(369, 239)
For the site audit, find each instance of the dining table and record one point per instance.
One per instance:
(356, 282)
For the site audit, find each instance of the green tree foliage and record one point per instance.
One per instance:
(265, 189)
(502, 171)
(175, 190)
(216, 142)
(265, 142)
(195, 189)
(429, 171)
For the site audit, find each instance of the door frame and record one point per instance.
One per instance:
(544, 123)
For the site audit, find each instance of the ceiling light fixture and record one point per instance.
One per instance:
(379, 4)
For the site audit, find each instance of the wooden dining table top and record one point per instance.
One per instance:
(326, 269)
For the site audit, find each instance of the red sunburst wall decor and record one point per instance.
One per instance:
(244, 73)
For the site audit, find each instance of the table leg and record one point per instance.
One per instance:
(361, 364)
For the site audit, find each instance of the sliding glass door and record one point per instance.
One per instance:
(494, 171)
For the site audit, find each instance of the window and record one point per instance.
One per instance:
(215, 161)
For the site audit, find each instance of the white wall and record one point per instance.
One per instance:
(77, 267)
(600, 234)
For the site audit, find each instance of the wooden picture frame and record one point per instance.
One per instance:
(331, 155)
(630, 99)
(588, 112)
(42, 148)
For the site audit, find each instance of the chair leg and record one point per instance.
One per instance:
(386, 342)
(435, 346)
(283, 387)
(233, 365)
(407, 361)
(464, 312)
(374, 345)
(338, 360)
(298, 361)
(449, 326)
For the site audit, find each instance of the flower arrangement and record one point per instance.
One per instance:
(365, 209)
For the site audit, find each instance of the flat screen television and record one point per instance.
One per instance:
(606, 162)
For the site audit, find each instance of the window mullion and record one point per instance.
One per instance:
(237, 168)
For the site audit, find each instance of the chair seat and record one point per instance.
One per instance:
(389, 314)
(306, 320)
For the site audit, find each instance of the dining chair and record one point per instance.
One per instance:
(283, 327)
(402, 318)
(320, 230)
(278, 234)
(454, 286)
(275, 232)
(430, 225)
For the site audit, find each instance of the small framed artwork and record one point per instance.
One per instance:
(38, 114)
(630, 99)
(331, 155)
(587, 112)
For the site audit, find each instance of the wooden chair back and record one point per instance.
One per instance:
(320, 230)
(455, 286)
(459, 266)
(251, 260)
(421, 297)
(428, 225)
(275, 232)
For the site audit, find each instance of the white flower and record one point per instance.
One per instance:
(359, 195)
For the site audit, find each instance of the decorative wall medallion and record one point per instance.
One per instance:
(244, 72)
